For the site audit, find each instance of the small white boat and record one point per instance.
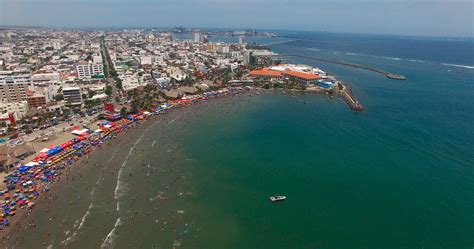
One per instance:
(277, 198)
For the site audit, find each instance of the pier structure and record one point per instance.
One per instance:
(350, 100)
(372, 69)
(277, 43)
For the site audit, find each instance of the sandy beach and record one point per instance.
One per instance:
(103, 171)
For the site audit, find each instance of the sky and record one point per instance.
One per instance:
(406, 17)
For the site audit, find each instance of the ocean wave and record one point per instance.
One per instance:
(313, 49)
(418, 61)
(112, 236)
(390, 58)
(457, 65)
(81, 225)
(120, 187)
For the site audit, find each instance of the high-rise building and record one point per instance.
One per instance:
(247, 58)
(241, 40)
(72, 96)
(87, 70)
(223, 48)
(198, 37)
(13, 85)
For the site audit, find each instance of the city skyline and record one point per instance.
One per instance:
(424, 18)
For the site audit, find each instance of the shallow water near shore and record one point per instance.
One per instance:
(200, 177)
(399, 175)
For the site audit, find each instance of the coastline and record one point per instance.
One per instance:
(25, 219)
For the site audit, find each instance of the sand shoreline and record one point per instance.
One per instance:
(23, 220)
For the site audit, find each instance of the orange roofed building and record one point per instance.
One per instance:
(295, 75)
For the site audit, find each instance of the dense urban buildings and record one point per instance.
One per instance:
(71, 70)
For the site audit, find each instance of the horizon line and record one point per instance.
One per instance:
(232, 29)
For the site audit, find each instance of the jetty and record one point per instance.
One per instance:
(350, 100)
(354, 65)
(277, 43)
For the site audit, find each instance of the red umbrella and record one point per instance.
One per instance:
(42, 155)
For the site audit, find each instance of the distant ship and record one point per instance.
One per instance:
(277, 198)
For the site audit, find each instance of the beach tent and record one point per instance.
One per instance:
(105, 123)
(64, 145)
(54, 150)
(79, 132)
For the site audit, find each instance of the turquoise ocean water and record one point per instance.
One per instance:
(399, 175)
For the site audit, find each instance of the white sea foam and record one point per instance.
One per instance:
(120, 191)
(112, 236)
(313, 49)
(120, 187)
(391, 58)
(419, 61)
(99, 181)
(457, 65)
(84, 217)
(81, 225)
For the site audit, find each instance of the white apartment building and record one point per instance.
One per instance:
(19, 109)
(87, 70)
(198, 37)
(146, 60)
(13, 85)
(223, 48)
(241, 40)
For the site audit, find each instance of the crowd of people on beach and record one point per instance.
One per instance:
(26, 183)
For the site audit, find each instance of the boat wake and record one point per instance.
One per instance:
(457, 65)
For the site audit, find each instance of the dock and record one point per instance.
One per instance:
(343, 63)
(350, 100)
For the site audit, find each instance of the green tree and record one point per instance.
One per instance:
(123, 111)
(108, 90)
(89, 103)
(58, 97)
(118, 82)
(66, 112)
(91, 93)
